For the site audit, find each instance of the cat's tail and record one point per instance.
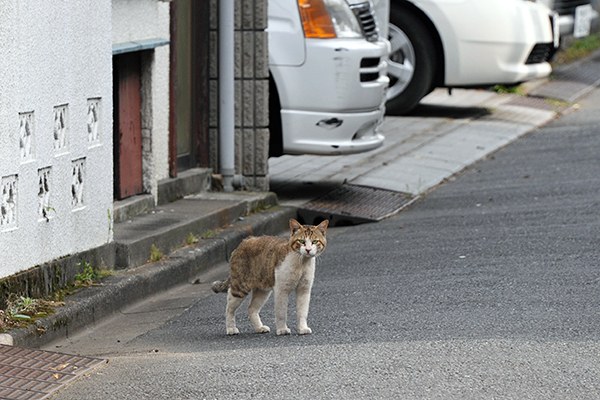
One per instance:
(220, 286)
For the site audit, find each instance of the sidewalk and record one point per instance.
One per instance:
(449, 133)
(446, 134)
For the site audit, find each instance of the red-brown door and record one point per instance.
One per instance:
(127, 125)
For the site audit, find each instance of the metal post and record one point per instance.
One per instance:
(226, 93)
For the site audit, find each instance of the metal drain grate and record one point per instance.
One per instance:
(34, 374)
(352, 205)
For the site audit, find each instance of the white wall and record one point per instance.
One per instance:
(56, 67)
(135, 20)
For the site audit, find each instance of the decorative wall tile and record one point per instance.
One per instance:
(93, 120)
(8, 202)
(44, 193)
(26, 131)
(77, 182)
(61, 127)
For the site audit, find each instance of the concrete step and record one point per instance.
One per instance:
(195, 180)
(169, 226)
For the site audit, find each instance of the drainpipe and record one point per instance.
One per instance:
(226, 93)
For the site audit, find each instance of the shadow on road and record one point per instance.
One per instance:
(443, 111)
(289, 190)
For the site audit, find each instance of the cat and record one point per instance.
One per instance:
(269, 263)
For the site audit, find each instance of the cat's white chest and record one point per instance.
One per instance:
(293, 270)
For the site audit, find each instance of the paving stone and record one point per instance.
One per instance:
(27, 374)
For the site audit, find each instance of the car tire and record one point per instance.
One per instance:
(412, 61)
(275, 128)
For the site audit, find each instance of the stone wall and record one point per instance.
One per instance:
(251, 92)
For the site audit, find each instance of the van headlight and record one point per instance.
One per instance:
(327, 19)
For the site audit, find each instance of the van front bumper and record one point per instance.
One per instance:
(331, 133)
(333, 102)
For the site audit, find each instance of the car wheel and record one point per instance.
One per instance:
(411, 64)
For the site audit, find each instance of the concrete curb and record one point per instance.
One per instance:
(90, 305)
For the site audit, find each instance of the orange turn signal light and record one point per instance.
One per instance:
(316, 20)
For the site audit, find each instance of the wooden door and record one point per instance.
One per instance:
(188, 130)
(183, 85)
(127, 125)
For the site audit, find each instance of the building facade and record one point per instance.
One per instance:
(55, 130)
(106, 100)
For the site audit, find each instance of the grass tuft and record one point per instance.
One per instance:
(22, 311)
(155, 254)
(577, 49)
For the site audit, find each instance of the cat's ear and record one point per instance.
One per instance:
(323, 226)
(294, 225)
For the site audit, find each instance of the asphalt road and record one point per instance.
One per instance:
(489, 287)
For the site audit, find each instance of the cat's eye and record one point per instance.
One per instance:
(302, 241)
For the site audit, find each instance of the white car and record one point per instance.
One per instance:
(327, 64)
(465, 43)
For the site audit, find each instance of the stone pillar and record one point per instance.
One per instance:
(251, 92)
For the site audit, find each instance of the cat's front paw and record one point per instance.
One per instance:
(284, 331)
(263, 329)
(304, 331)
(233, 331)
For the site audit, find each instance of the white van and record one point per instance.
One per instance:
(327, 62)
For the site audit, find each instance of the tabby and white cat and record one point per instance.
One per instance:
(268, 263)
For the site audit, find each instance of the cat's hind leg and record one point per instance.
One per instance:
(259, 298)
(233, 303)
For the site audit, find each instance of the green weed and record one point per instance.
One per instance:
(503, 89)
(23, 310)
(155, 254)
(577, 49)
(209, 234)
(90, 276)
(191, 239)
